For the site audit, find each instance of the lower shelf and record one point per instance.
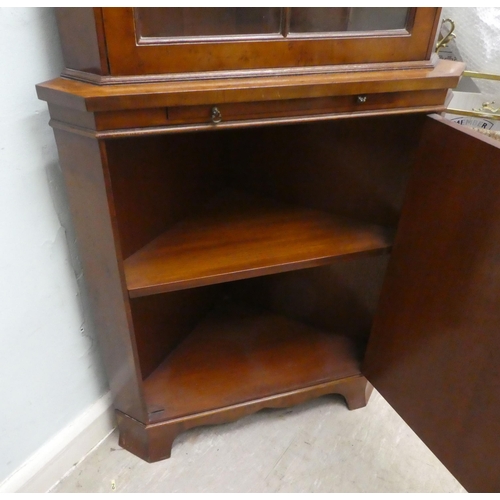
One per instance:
(241, 354)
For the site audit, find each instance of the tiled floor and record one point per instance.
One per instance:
(319, 446)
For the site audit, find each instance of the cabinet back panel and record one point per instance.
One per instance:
(158, 180)
(355, 168)
(340, 298)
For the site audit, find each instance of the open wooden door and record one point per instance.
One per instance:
(434, 352)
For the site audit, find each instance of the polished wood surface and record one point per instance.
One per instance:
(433, 349)
(340, 297)
(239, 354)
(304, 107)
(153, 442)
(83, 40)
(353, 168)
(236, 236)
(162, 321)
(244, 124)
(347, 80)
(198, 320)
(84, 165)
(158, 181)
(293, 109)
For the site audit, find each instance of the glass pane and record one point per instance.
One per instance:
(203, 22)
(332, 19)
(381, 18)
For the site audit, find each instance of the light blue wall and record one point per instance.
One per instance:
(50, 370)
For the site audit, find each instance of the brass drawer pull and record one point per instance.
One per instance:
(361, 99)
(216, 115)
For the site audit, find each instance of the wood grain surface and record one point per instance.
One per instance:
(435, 342)
(239, 353)
(88, 97)
(84, 165)
(153, 442)
(237, 236)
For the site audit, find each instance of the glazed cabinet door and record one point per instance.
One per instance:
(434, 349)
(183, 41)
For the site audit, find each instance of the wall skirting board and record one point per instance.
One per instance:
(50, 463)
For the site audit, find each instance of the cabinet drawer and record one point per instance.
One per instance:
(231, 112)
(254, 111)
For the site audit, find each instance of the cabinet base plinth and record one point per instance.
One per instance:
(154, 442)
(358, 393)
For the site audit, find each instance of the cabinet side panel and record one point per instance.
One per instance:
(82, 39)
(162, 321)
(159, 180)
(82, 165)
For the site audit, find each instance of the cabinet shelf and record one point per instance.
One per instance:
(237, 236)
(240, 353)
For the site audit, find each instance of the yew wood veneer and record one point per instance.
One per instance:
(267, 217)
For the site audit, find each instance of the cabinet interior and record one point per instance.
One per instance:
(236, 244)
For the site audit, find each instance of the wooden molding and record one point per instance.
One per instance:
(97, 79)
(88, 97)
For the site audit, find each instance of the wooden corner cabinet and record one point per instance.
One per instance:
(266, 213)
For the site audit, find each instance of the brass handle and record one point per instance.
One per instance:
(446, 39)
(361, 99)
(216, 115)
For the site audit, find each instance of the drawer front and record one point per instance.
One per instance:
(227, 113)
(233, 112)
